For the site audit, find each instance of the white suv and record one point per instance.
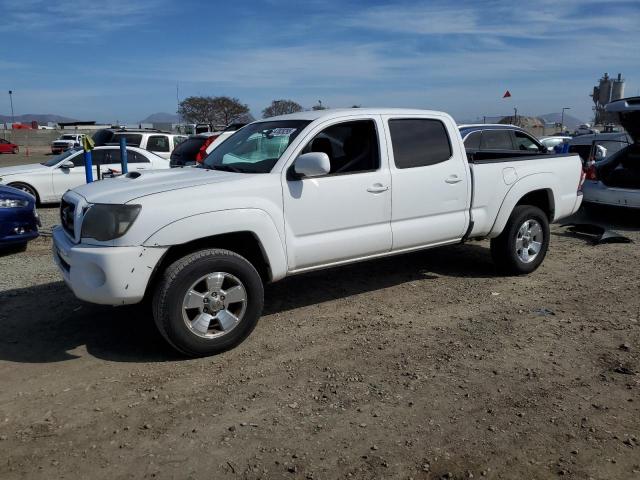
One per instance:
(160, 143)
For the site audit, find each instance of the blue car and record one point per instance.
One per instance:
(18, 218)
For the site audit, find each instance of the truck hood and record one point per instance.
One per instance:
(19, 169)
(134, 185)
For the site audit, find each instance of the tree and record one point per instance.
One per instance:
(212, 110)
(228, 109)
(197, 110)
(281, 107)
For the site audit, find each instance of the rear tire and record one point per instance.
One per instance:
(207, 302)
(523, 244)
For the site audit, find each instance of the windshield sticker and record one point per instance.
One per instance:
(282, 132)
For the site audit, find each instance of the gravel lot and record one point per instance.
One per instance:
(423, 366)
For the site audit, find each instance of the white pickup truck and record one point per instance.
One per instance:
(297, 193)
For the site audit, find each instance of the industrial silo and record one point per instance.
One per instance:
(605, 90)
(617, 88)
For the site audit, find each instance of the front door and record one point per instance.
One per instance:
(431, 186)
(346, 213)
(67, 178)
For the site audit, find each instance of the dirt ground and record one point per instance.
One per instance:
(34, 155)
(424, 366)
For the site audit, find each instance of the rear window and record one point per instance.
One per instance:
(189, 148)
(496, 140)
(133, 139)
(419, 142)
(472, 142)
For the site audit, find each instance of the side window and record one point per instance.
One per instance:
(351, 146)
(525, 142)
(112, 156)
(158, 143)
(135, 157)
(472, 141)
(2, 140)
(177, 140)
(496, 140)
(419, 142)
(97, 158)
(133, 139)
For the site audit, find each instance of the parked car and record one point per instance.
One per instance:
(48, 181)
(553, 141)
(156, 141)
(615, 180)
(66, 141)
(499, 141)
(296, 193)
(585, 129)
(7, 147)
(160, 143)
(193, 150)
(18, 218)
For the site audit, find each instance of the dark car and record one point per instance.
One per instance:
(8, 147)
(18, 218)
(193, 150)
(486, 141)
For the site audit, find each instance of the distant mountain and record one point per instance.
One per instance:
(161, 117)
(570, 121)
(41, 118)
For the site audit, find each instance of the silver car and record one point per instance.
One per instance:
(615, 180)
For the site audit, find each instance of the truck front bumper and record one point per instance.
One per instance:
(105, 275)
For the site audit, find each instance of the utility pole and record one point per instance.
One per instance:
(11, 101)
(562, 117)
(515, 115)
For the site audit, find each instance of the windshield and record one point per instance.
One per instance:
(256, 148)
(67, 137)
(58, 158)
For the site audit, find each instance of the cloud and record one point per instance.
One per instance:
(75, 20)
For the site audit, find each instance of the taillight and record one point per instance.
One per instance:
(591, 173)
(202, 153)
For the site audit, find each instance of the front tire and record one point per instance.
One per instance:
(26, 188)
(15, 150)
(207, 302)
(523, 244)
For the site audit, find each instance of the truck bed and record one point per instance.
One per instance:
(499, 180)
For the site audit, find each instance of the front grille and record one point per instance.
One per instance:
(67, 217)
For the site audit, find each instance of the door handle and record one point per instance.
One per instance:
(377, 188)
(453, 179)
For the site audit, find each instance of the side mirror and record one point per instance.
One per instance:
(312, 164)
(550, 149)
(67, 164)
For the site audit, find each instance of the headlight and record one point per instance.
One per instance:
(11, 203)
(106, 222)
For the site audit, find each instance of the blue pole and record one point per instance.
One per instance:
(123, 155)
(88, 166)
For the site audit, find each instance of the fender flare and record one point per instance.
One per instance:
(525, 185)
(203, 225)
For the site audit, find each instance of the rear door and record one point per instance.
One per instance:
(430, 176)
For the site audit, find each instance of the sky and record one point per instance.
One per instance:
(120, 60)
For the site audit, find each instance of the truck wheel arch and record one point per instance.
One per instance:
(248, 232)
(527, 191)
